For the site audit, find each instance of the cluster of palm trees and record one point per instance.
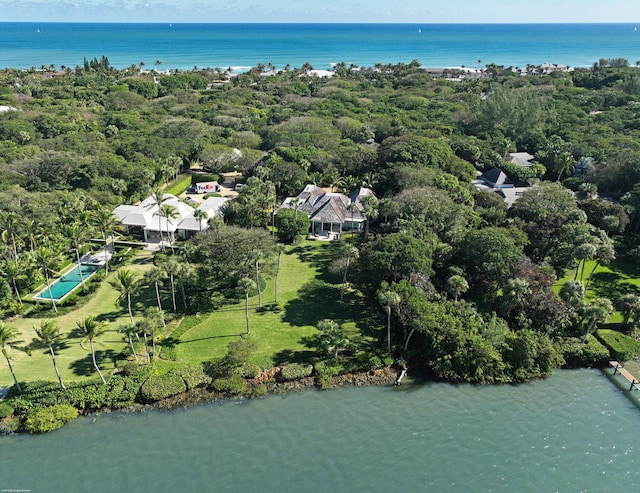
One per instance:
(34, 251)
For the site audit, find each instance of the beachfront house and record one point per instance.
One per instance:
(331, 213)
(143, 221)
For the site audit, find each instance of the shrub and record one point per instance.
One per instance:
(233, 385)
(211, 194)
(579, 354)
(6, 409)
(296, 371)
(249, 370)
(9, 425)
(159, 387)
(50, 418)
(325, 373)
(622, 347)
(193, 375)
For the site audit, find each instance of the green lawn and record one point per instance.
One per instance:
(74, 361)
(608, 282)
(307, 294)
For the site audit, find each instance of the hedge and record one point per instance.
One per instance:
(622, 347)
(179, 186)
(50, 418)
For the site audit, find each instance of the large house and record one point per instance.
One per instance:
(143, 221)
(331, 213)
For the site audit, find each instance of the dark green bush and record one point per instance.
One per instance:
(50, 418)
(159, 387)
(325, 373)
(179, 186)
(622, 347)
(193, 375)
(233, 385)
(295, 371)
(6, 409)
(249, 370)
(580, 354)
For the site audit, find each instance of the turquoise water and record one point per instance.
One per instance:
(574, 432)
(183, 46)
(67, 283)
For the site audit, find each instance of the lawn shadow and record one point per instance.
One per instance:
(288, 356)
(320, 258)
(605, 284)
(316, 301)
(84, 366)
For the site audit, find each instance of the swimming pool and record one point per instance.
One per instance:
(68, 282)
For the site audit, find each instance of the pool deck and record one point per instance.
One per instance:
(98, 258)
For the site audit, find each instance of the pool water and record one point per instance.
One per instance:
(68, 282)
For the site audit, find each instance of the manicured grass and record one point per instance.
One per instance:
(286, 331)
(307, 293)
(607, 282)
(74, 360)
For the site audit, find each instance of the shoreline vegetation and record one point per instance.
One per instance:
(483, 229)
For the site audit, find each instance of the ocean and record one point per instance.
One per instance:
(242, 46)
(572, 432)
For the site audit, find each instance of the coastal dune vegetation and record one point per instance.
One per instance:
(449, 278)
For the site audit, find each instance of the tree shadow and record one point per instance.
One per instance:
(320, 258)
(84, 366)
(316, 301)
(288, 356)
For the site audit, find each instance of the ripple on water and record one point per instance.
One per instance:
(571, 432)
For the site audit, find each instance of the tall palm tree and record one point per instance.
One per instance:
(48, 335)
(90, 329)
(31, 230)
(9, 224)
(155, 275)
(107, 223)
(349, 252)
(78, 235)
(129, 330)
(246, 285)
(201, 216)
(159, 198)
(47, 258)
(13, 274)
(280, 249)
(127, 284)
(155, 317)
(255, 256)
(8, 340)
(172, 267)
(390, 300)
(169, 212)
(145, 327)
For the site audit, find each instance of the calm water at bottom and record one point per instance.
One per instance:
(574, 432)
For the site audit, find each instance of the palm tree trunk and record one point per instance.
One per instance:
(55, 366)
(344, 279)
(95, 363)
(184, 294)
(15, 287)
(158, 299)
(106, 258)
(133, 350)
(173, 294)
(15, 380)
(258, 285)
(146, 346)
(129, 307)
(46, 276)
(80, 270)
(591, 275)
(153, 340)
(406, 344)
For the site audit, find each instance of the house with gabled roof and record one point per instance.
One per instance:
(522, 159)
(142, 221)
(331, 213)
